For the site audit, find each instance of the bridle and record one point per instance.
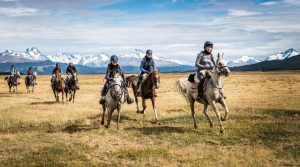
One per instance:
(115, 95)
(154, 79)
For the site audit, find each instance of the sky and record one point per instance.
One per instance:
(173, 29)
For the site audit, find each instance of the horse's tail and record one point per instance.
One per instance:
(181, 85)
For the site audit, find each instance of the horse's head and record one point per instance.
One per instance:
(221, 66)
(154, 75)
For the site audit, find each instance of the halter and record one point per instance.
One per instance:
(219, 74)
(115, 98)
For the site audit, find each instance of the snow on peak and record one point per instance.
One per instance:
(283, 55)
(30, 55)
(62, 57)
(244, 60)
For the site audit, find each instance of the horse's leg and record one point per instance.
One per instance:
(144, 106)
(66, 93)
(119, 116)
(137, 103)
(224, 105)
(192, 106)
(103, 114)
(205, 113)
(154, 108)
(214, 107)
(74, 95)
(109, 116)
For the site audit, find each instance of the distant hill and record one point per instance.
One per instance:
(292, 63)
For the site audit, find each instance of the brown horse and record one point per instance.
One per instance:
(148, 87)
(13, 82)
(58, 85)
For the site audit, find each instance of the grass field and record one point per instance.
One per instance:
(263, 128)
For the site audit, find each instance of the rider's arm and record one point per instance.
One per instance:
(197, 64)
(142, 65)
(107, 75)
(153, 66)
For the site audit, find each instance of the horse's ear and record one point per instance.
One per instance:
(223, 55)
(218, 55)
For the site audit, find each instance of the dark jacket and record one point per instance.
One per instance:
(56, 69)
(204, 61)
(71, 70)
(112, 70)
(147, 65)
(29, 72)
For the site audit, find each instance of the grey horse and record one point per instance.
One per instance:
(114, 98)
(214, 92)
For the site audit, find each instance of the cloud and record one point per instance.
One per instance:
(268, 3)
(240, 13)
(292, 2)
(18, 11)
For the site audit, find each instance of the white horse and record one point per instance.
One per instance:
(214, 92)
(114, 98)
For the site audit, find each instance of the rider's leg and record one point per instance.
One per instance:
(200, 87)
(139, 84)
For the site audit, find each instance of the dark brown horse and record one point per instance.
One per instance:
(148, 87)
(13, 82)
(58, 85)
(70, 88)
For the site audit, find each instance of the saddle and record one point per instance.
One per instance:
(195, 83)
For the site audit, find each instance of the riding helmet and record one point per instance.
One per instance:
(113, 58)
(149, 52)
(208, 43)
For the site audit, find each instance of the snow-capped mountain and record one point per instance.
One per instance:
(101, 60)
(30, 55)
(65, 58)
(283, 55)
(244, 60)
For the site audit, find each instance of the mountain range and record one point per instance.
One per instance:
(130, 62)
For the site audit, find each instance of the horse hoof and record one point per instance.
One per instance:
(223, 119)
(106, 126)
(102, 122)
(211, 125)
(195, 126)
(222, 131)
(154, 121)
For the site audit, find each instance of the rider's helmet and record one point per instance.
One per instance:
(113, 58)
(12, 66)
(30, 68)
(149, 52)
(57, 65)
(208, 43)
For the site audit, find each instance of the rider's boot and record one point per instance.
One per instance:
(102, 100)
(103, 93)
(200, 90)
(129, 100)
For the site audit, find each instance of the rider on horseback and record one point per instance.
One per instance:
(146, 67)
(56, 70)
(30, 73)
(13, 72)
(113, 68)
(72, 72)
(204, 62)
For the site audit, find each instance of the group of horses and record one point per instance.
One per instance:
(67, 87)
(13, 82)
(117, 92)
(213, 93)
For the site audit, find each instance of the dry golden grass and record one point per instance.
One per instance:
(262, 130)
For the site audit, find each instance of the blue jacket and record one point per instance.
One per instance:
(147, 66)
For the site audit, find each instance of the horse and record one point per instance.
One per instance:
(70, 88)
(58, 85)
(13, 82)
(213, 94)
(114, 98)
(148, 87)
(30, 81)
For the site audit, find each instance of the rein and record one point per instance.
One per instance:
(114, 91)
(219, 74)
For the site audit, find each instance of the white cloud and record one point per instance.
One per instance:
(292, 2)
(269, 3)
(239, 13)
(18, 11)
(174, 1)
